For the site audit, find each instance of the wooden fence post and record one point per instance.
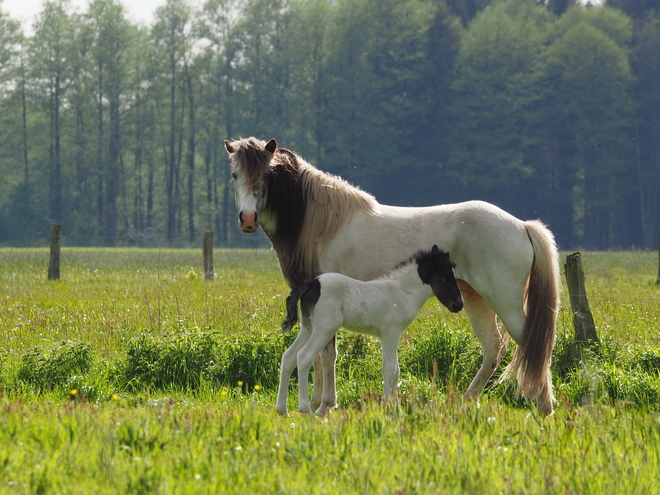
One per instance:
(583, 321)
(207, 247)
(54, 264)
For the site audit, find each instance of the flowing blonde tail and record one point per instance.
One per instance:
(532, 358)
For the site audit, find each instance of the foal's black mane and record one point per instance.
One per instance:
(421, 257)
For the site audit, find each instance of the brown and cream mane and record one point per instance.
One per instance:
(308, 206)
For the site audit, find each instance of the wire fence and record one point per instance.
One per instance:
(606, 308)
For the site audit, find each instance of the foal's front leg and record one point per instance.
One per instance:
(306, 356)
(289, 361)
(389, 342)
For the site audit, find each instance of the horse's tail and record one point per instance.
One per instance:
(533, 355)
(292, 307)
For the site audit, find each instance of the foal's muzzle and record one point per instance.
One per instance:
(456, 307)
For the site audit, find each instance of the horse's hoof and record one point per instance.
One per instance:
(282, 412)
(325, 409)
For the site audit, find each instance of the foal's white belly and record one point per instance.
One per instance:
(369, 308)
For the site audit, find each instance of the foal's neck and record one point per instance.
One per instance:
(407, 277)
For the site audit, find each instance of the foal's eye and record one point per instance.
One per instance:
(234, 176)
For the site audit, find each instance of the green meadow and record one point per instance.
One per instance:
(133, 375)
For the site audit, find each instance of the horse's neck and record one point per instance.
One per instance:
(292, 267)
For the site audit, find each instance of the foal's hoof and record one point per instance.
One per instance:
(282, 412)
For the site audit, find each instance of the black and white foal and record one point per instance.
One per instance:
(383, 308)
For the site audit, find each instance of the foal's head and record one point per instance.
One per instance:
(436, 269)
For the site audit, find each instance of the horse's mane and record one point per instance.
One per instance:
(328, 203)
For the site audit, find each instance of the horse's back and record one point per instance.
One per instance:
(484, 242)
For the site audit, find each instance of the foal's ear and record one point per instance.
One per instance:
(229, 147)
(435, 250)
(271, 146)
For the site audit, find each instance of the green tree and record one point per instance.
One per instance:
(589, 68)
(217, 24)
(497, 94)
(173, 42)
(646, 67)
(51, 54)
(111, 51)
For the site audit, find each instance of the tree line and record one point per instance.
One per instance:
(549, 109)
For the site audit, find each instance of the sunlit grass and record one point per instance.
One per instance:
(107, 388)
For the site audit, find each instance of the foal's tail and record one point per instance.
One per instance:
(292, 307)
(533, 355)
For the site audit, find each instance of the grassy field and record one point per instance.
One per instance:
(133, 375)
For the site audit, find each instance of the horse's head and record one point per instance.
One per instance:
(436, 269)
(250, 162)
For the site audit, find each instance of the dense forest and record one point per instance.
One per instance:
(550, 110)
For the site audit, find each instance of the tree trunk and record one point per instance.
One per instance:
(191, 159)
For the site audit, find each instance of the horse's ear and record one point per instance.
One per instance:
(271, 146)
(435, 250)
(229, 147)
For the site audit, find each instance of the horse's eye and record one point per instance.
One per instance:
(234, 176)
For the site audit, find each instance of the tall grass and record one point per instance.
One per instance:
(133, 375)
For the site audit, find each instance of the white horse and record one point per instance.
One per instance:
(383, 308)
(319, 223)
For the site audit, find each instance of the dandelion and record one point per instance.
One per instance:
(240, 383)
(73, 393)
(257, 387)
(115, 397)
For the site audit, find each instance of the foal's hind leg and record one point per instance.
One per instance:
(484, 324)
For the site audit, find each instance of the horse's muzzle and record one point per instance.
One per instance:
(248, 222)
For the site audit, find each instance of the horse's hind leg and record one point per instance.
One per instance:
(484, 324)
(328, 360)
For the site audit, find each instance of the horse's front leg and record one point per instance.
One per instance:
(328, 358)
(317, 390)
